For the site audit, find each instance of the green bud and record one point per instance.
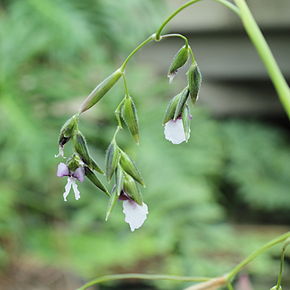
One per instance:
(112, 201)
(276, 288)
(186, 117)
(80, 146)
(118, 113)
(178, 61)
(130, 168)
(131, 188)
(100, 90)
(181, 103)
(194, 78)
(129, 115)
(67, 130)
(94, 179)
(170, 110)
(119, 180)
(112, 159)
(73, 162)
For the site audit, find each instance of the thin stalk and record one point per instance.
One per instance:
(256, 253)
(175, 35)
(282, 263)
(265, 54)
(149, 39)
(142, 277)
(167, 20)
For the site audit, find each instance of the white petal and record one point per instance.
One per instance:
(174, 131)
(76, 191)
(135, 214)
(60, 152)
(67, 188)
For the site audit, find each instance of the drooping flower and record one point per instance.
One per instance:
(73, 176)
(174, 131)
(135, 214)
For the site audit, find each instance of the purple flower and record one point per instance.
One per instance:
(78, 174)
(135, 214)
(174, 131)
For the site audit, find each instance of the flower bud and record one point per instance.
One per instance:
(130, 168)
(276, 288)
(131, 188)
(100, 90)
(194, 78)
(170, 110)
(112, 159)
(181, 103)
(94, 179)
(67, 130)
(129, 115)
(80, 146)
(178, 61)
(186, 117)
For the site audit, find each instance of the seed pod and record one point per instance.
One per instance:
(80, 146)
(129, 115)
(100, 90)
(130, 168)
(178, 61)
(194, 78)
(94, 179)
(112, 159)
(186, 117)
(170, 110)
(67, 130)
(112, 201)
(181, 103)
(131, 188)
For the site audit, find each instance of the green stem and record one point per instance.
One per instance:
(167, 20)
(175, 35)
(143, 277)
(125, 85)
(265, 54)
(282, 263)
(256, 253)
(149, 39)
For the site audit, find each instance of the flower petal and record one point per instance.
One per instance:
(135, 214)
(60, 152)
(79, 174)
(76, 191)
(62, 170)
(174, 131)
(67, 188)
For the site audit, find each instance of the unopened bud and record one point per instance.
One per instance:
(80, 146)
(276, 288)
(112, 159)
(170, 110)
(181, 103)
(67, 130)
(178, 61)
(130, 168)
(100, 90)
(194, 78)
(129, 115)
(132, 190)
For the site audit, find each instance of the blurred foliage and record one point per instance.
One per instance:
(53, 53)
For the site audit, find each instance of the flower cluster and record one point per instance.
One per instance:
(119, 166)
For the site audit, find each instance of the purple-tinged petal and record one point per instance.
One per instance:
(79, 174)
(67, 188)
(62, 170)
(135, 214)
(75, 189)
(174, 131)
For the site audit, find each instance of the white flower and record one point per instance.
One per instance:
(135, 214)
(78, 174)
(174, 131)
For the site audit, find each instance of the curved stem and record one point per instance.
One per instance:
(282, 264)
(143, 277)
(175, 35)
(265, 54)
(256, 253)
(150, 38)
(167, 20)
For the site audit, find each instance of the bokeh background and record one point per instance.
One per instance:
(212, 201)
